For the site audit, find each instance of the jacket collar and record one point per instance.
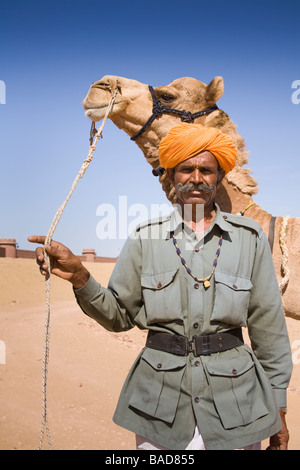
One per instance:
(177, 224)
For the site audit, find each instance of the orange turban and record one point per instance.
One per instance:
(187, 140)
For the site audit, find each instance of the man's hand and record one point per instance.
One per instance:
(63, 263)
(280, 440)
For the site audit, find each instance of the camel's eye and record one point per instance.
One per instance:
(166, 97)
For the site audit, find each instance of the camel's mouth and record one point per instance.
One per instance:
(95, 114)
(88, 108)
(88, 105)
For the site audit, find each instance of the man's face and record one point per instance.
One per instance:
(203, 169)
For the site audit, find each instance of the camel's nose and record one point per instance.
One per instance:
(108, 83)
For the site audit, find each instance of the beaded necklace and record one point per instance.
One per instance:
(205, 280)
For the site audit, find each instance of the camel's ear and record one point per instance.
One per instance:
(214, 90)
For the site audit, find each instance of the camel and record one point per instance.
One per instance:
(135, 103)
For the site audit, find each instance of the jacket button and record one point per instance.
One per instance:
(159, 285)
(196, 286)
(159, 366)
(195, 325)
(234, 286)
(197, 363)
(197, 399)
(234, 371)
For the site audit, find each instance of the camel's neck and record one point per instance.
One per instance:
(232, 200)
(149, 141)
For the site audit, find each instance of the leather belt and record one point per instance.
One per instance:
(203, 345)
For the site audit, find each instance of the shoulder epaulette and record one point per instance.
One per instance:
(154, 221)
(242, 221)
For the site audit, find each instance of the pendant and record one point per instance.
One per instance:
(206, 282)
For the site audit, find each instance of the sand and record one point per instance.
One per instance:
(87, 366)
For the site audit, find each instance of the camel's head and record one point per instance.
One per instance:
(131, 94)
(133, 107)
(133, 104)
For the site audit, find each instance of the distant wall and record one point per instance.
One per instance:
(8, 249)
(25, 254)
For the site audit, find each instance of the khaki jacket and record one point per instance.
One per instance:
(233, 396)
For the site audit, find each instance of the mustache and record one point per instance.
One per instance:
(186, 188)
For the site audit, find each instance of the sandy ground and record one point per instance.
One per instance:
(87, 366)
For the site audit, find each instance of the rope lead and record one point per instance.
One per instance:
(97, 134)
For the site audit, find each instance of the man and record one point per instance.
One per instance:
(194, 279)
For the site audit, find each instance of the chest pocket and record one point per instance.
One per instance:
(161, 294)
(232, 297)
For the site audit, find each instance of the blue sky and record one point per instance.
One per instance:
(50, 53)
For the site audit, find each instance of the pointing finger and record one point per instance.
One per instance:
(37, 239)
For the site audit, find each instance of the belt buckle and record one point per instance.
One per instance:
(191, 346)
(204, 348)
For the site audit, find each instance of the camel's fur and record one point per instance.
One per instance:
(132, 108)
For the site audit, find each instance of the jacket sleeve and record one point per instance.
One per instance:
(266, 322)
(116, 306)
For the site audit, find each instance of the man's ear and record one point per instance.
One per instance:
(221, 174)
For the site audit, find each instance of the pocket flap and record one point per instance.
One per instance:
(230, 367)
(234, 282)
(161, 360)
(236, 390)
(157, 281)
(156, 386)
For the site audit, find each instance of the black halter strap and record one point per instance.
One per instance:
(158, 108)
